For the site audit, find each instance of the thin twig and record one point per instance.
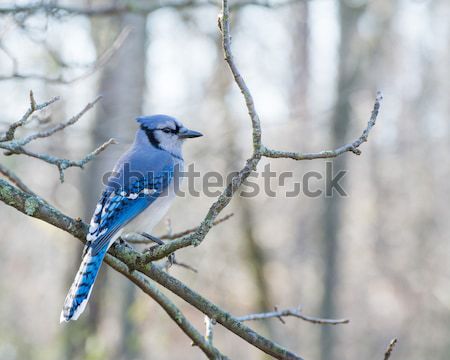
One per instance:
(138, 239)
(106, 56)
(390, 348)
(63, 164)
(59, 127)
(295, 312)
(10, 133)
(209, 329)
(192, 230)
(184, 265)
(351, 147)
(61, 79)
(15, 179)
(226, 44)
(17, 146)
(89, 157)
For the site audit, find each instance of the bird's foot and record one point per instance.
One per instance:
(171, 260)
(159, 242)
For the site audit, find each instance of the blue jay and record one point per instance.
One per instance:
(136, 197)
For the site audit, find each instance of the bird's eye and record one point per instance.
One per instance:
(167, 130)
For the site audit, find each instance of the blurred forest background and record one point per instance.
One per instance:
(379, 256)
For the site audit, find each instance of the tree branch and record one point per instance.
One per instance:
(11, 131)
(390, 348)
(59, 127)
(209, 329)
(15, 179)
(61, 78)
(15, 146)
(226, 44)
(296, 312)
(352, 147)
(133, 239)
(192, 230)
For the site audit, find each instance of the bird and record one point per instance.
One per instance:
(137, 195)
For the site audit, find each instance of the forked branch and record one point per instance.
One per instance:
(14, 146)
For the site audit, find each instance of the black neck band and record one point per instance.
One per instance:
(151, 137)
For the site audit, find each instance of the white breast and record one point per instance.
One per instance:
(146, 220)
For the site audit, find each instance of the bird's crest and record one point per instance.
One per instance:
(156, 121)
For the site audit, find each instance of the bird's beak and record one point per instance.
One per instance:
(186, 133)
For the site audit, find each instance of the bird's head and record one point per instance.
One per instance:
(165, 132)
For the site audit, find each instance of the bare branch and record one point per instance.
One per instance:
(59, 127)
(352, 147)
(106, 56)
(61, 79)
(13, 146)
(15, 179)
(184, 265)
(63, 164)
(133, 239)
(209, 329)
(89, 157)
(10, 133)
(390, 348)
(192, 230)
(226, 43)
(295, 312)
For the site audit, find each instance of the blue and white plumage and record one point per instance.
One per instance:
(138, 194)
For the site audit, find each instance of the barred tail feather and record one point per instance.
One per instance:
(78, 296)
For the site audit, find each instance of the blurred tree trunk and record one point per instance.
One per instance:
(298, 91)
(122, 85)
(254, 256)
(300, 60)
(334, 205)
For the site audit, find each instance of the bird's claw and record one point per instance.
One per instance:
(171, 260)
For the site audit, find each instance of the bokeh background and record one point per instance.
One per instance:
(379, 256)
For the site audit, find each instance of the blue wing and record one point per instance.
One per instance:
(119, 206)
